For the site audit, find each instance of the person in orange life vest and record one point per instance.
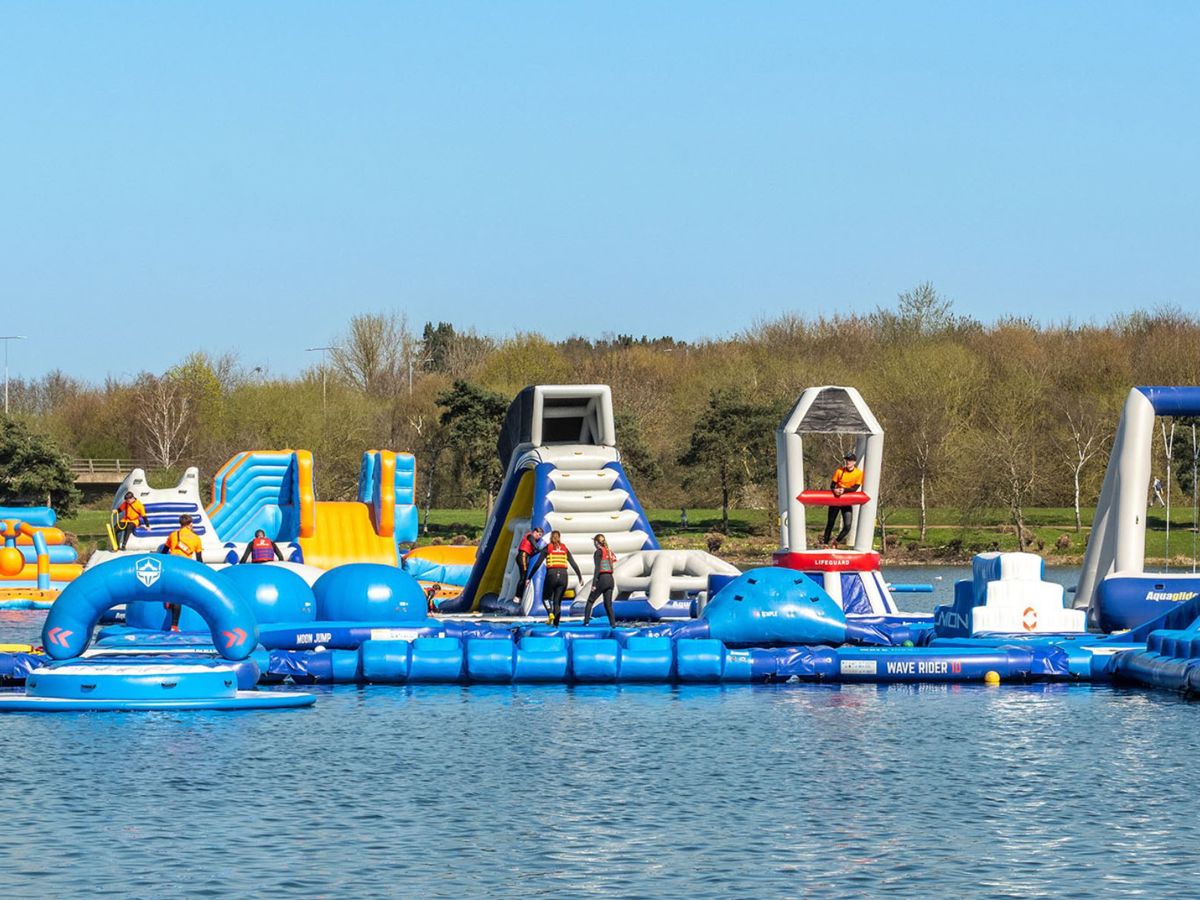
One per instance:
(603, 561)
(526, 550)
(261, 550)
(557, 557)
(848, 477)
(130, 514)
(182, 542)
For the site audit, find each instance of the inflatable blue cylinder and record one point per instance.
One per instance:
(490, 661)
(274, 593)
(154, 579)
(541, 660)
(436, 660)
(699, 659)
(646, 659)
(369, 592)
(385, 662)
(774, 606)
(595, 661)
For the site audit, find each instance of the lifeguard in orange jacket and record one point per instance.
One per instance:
(526, 550)
(848, 477)
(130, 514)
(182, 542)
(557, 557)
(603, 562)
(261, 550)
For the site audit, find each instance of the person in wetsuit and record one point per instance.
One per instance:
(557, 557)
(183, 541)
(261, 550)
(603, 561)
(526, 551)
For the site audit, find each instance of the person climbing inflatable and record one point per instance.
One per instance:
(557, 557)
(261, 550)
(603, 561)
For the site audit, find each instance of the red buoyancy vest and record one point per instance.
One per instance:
(607, 558)
(528, 545)
(262, 550)
(556, 556)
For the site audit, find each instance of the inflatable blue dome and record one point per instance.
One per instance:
(274, 593)
(775, 606)
(369, 592)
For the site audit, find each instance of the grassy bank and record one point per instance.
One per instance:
(951, 536)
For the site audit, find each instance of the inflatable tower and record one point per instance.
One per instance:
(852, 576)
(562, 471)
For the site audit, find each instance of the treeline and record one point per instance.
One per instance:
(1009, 413)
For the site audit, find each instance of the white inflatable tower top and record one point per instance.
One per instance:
(827, 410)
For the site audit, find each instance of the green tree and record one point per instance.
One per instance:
(731, 446)
(34, 471)
(472, 417)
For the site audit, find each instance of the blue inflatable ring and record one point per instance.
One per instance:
(149, 577)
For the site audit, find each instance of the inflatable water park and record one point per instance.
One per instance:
(346, 600)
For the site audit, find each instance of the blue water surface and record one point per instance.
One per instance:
(777, 791)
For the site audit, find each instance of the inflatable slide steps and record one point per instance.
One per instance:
(1170, 661)
(587, 493)
(267, 489)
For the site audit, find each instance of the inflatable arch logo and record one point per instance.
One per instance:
(149, 571)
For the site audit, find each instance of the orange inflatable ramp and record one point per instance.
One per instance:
(345, 533)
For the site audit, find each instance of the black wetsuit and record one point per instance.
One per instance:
(602, 585)
(555, 584)
(523, 566)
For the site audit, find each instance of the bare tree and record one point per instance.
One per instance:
(164, 412)
(1088, 432)
(376, 352)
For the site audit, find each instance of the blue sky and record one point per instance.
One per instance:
(247, 176)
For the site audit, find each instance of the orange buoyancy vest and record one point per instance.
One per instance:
(848, 478)
(262, 550)
(556, 556)
(132, 512)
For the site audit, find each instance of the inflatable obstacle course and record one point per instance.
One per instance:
(130, 682)
(273, 490)
(1114, 586)
(36, 562)
(563, 472)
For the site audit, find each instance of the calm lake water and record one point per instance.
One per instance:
(783, 791)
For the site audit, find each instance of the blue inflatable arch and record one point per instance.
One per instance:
(155, 578)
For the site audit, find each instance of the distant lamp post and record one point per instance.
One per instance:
(7, 338)
(324, 375)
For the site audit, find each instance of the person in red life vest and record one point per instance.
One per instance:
(603, 561)
(130, 514)
(848, 477)
(182, 542)
(261, 550)
(557, 557)
(526, 550)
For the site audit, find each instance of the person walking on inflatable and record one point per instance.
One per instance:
(603, 561)
(182, 542)
(526, 550)
(129, 514)
(848, 477)
(557, 557)
(261, 550)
